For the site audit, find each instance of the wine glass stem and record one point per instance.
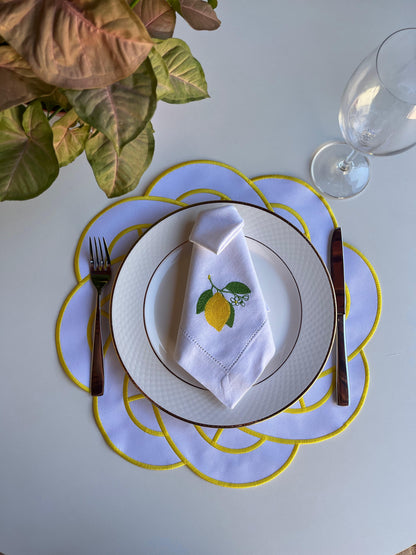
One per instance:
(346, 164)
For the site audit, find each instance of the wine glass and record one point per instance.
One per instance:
(377, 116)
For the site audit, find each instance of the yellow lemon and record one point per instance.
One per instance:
(217, 311)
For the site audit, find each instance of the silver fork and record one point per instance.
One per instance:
(100, 273)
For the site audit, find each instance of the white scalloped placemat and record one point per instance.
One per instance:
(148, 437)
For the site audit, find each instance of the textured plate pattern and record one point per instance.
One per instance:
(196, 405)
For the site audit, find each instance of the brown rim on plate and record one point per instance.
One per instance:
(270, 413)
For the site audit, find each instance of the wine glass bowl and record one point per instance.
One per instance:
(377, 117)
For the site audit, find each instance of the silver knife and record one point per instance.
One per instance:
(337, 274)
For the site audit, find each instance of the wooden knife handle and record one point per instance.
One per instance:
(343, 397)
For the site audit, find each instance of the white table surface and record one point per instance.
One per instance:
(275, 71)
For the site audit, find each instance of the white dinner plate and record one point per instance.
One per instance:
(147, 302)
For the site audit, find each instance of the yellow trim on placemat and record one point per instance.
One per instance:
(305, 184)
(214, 443)
(119, 452)
(327, 436)
(95, 218)
(347, 301)
(138, 227)
(203, 191)
(213, 480)
(127, 400)
(308, 408)
(58, 331)
(214, 163)
(297, 216)
(379, 301)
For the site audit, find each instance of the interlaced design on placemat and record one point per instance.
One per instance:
(150, 438)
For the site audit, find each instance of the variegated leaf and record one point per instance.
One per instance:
(78, 44)
(117, 174)
(28, 164)
(186, 74)
(121, 110)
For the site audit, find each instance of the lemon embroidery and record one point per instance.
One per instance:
(219, 311)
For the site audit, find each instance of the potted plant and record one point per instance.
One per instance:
(87, 75)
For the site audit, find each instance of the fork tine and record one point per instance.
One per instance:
(99, 256)
(101, 260)
(108, 260)
(96, 259)
(91, 253)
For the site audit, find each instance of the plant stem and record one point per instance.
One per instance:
(134, 3)
(212, 285)
(54, 113)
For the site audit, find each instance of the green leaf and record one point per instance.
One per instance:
(202, 301)
(161, 71)
(213, 3)
(117, 174)
(122, 110)
(158, 17)
(175, 4)
(28, 164)
(237, 288)
(18, 82)
(69, 137)
(186, 74)
(199, 14)
(56, 99)
(78, 44)
(230, 320)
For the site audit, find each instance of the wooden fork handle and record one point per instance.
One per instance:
(97, 362)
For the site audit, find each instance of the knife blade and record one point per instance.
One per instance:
(337, 274)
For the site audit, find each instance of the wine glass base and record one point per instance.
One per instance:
(330, 179)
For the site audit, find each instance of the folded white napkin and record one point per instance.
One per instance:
(224, 338)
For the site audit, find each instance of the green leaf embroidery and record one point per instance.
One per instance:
(230, 320)
(237, 288)
(221, 310)
(202, 301)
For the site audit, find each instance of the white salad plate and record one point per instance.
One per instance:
(146, 306)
